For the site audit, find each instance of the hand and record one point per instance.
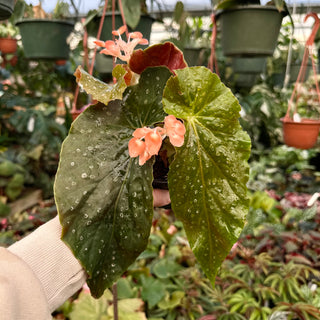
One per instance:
(160, 197)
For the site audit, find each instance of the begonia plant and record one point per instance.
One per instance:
(103, 188)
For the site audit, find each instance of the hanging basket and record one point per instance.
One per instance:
(248, 65)
(6, 9)
(249, 30)
(245, 80)
(301, 135)
(194, 56)
(8, 45)
(45, 39)
(103, 64)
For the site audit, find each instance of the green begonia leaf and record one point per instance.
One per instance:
(132, 12)
(166, 268)
(89, 308)
(124, 289)
(104, 198)
(100, 90)
(171, 301)
(130, 308)
(153, 290)
(207, 179)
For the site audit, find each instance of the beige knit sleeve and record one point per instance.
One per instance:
(21, 294)
(52, 263)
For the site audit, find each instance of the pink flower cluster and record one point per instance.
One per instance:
(146, 142)
(119, 48)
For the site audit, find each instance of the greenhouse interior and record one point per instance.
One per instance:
(160, 160)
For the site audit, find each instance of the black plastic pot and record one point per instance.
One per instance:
(45, 39)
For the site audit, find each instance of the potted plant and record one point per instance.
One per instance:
(8, 41)
(103, 187)
(248, 28)
(9, 31)
(51, 30)
(301, 126)
(190, 36)
(297, 131)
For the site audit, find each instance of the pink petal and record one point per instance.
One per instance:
(110, 45)
(144, 157)
(162, 131)
(179, 128)
(153, 142)
(99, 43)
(136, 147)
(135, 35)
(176, 140)
(169, 120)
(172, 125)
(121, 30)
(143, 41)
(141, 132)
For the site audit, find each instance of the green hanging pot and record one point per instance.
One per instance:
(6, 9)
(195, 56)
(294, 71)
(278, 77)
(249, 30)
(103, 63)
(245, 80)
(45, 39)
(248, 65)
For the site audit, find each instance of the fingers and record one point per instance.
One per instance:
(160, 197)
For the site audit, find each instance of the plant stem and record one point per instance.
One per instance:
(115, 301)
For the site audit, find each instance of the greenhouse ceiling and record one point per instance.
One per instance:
(168, 5)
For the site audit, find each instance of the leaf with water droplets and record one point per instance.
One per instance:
(104, 198)
(207, 179)
(100, 90)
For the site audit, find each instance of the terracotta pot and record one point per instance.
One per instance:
(8, 45)
(60, 62)
(301, 135)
